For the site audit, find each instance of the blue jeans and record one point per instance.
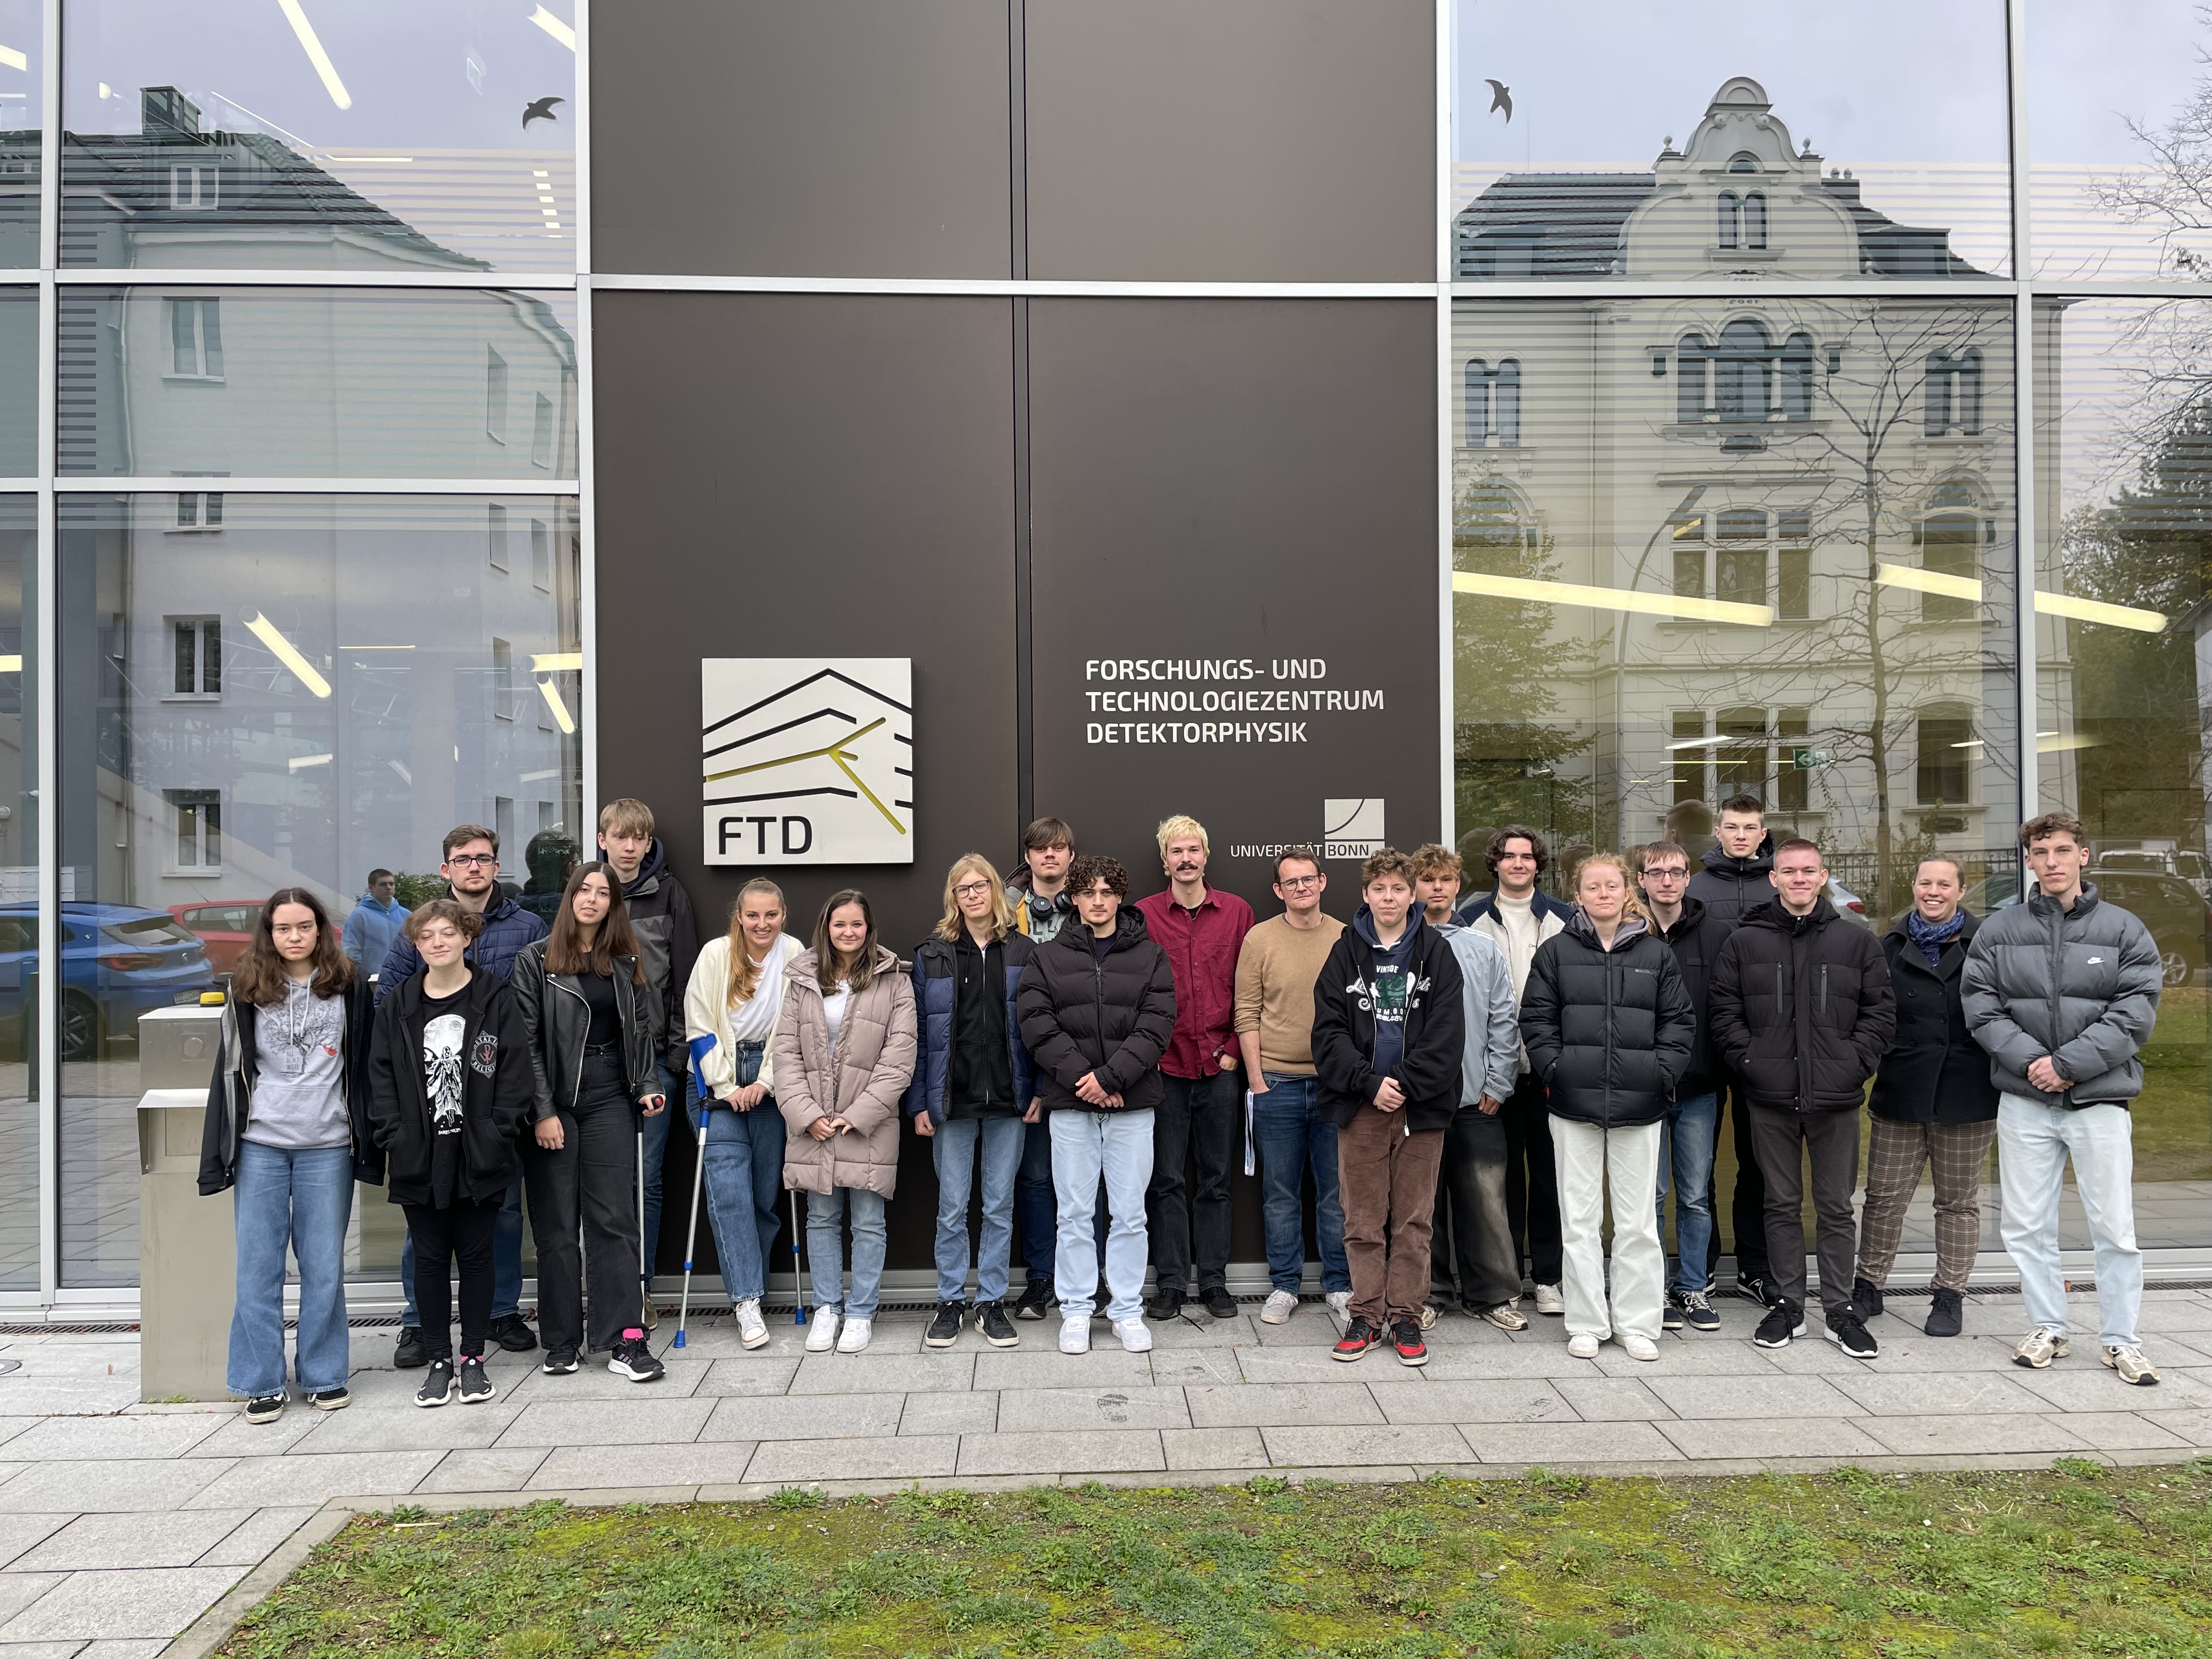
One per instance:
(1292, 1134)
(1693, 1128)
(1087, 1147)
(2033, 1142)
(303, 1199)
(506, 1261)
(952, 1150)
(743, 1160)
(826, 1248)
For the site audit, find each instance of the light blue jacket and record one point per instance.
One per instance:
(1491, 1062)
(371, 929)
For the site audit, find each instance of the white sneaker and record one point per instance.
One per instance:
(1549, 1301)
(752, 1329)
(822, 1331)
(854, 1336)
(1637, 1347)
(1339, 1303)
(1280, 1308)
(1075, 1335)
(1582, 1348)
(1136, 1335)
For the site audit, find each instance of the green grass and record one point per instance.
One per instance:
(2077, 1559)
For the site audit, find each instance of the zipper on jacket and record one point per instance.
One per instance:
(576, 1090)
(1824, 990)
(1609, 1022)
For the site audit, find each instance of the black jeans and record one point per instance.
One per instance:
(1833, 1141)
(1532, 1180)
(1198, 1123)
(591, 1183)
(1481, 1237)
(1747, 1207)
(442, 1238)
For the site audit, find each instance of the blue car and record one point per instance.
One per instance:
(118, 962)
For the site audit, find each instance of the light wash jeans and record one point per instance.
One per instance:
(1291, 1134)
(506, 1263)
(1086, 1146)
(826, 1248)
(952, 1150)
(2033, 1143)
(1693, 1128)
(742, 1159)
(1588, 1158)
(302, 1198)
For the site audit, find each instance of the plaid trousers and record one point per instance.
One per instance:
(1896, 1152)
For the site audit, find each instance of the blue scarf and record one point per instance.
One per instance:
(1932, 937)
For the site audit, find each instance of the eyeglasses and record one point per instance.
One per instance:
(467, 859)
(1298, 883)
(1666, 875)
(969, 889)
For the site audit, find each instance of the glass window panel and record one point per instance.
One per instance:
(1708, 139)
(2123, 654)
(19, 382)
(356, 669)
(404, 135)
(1723, 614)
(22, 109)
(19, 896)
(314, 382)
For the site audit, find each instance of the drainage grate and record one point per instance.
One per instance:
(20, 1330)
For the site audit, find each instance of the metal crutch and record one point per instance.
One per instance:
(799, 1309)
(645, 1288)
(701, 1047)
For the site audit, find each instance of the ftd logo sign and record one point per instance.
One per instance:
(808, 760)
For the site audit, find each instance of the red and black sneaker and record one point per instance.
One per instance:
(1358, 1337)
(1406, 1337)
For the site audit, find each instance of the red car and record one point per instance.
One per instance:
(226, 929)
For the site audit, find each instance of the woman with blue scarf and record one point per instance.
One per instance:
(1933, 1103)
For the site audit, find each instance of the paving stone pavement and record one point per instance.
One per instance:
(120, 1524)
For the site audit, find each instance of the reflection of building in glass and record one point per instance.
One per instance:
(1732, 545)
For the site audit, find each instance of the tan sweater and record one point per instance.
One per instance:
(1275, 974)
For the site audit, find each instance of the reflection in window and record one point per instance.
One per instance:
(1693, 392)
(198, 815)
(199, 657)
(1950, 547)
(196, 338)
(19, 378)
(1743, 752)
(1692, 779)
(1793, 781)
(1493, 403)
(1754, 220)
(1731, 219)
(1953, 391)
(1946, 740)
(1740, 563)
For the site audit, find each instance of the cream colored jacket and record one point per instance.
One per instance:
(707, 1013)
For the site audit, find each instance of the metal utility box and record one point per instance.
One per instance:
(187, 1248)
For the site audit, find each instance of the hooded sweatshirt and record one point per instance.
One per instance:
(667, 931)
(371, 930)
(1352, 1054)
(1728, 887)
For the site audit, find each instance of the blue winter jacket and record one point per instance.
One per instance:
(371, 932)
(506, 928)
(936, 978)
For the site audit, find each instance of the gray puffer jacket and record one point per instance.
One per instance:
(873, 1065)
(2080, 985)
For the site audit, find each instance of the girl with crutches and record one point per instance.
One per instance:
(583, 997)
(730, 1009)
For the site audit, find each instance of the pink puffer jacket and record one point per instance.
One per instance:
(875, 1062)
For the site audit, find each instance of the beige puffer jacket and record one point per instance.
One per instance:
(875, 1062)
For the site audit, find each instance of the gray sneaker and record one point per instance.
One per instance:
(2040, 1347)
(2131, 1365)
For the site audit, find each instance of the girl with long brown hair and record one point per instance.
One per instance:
(730, 1008)
(288, 1127)
(594, 1046)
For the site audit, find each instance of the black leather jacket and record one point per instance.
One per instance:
(559, 1021)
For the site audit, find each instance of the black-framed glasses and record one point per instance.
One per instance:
(969, 889)
(1670, 874)
(467, 858)
(1297, 884)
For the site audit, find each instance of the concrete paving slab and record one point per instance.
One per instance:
(1611, 1399)
(804, 1417)
(236, 1437)
(1953, 1434)
(1511, 1401)
(754, 1374)
(177, 1539)
(1199, 1367)
(1569, 1442)
(1106, 1366)
(1920, 1356)
(1022, 1410)
(2120, 1431)
(2076, 1384)
(58, 1396)
(1072, 1452)
(122, 1484)
(567, 1467)
(949, 1414)
(593, 1380)
(1214, 1449)
(1324, 1447)
(131, 1602)
(1774, 1436)
(259, 1482)
(411, 1428)
(19, 1590)
(500, 1469)
(899, 1457)
(631, 1422)
(1970, 1393)
(18, 1533)
(2194, 1427)
(1750, 1396)
(259, 1532)
(887, 1373)
(1707, 1357)
(142, 1648)
(1285, 1405)
(1378, 1367)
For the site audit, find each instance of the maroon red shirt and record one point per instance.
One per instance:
(1202, 950)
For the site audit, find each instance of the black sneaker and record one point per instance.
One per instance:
(412, 1353)
(944, 1330)
(439, 1386)
(1866, 1299)
(513, 1333)
(1358, 1337)
(1406, 1337)
(1164, 1304)
(997, 1330)
(1036, 1299)
(559, 1362)
(330, 1400)
(1849, 1332)
(1698, 1311)
(1670, 1314)
(1783, 1320)
(476, 1386)
(1753, 1284)
(1220, 1303)
(265, 1408)
(634, 1359)
(1947, 1316)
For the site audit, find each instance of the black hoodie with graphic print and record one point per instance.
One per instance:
(1432, 1035)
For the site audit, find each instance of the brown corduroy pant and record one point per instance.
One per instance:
(1387, 1181)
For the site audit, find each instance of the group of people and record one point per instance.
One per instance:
(1487, 1069)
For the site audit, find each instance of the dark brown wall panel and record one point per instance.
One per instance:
(1229, 140)
(801, 137)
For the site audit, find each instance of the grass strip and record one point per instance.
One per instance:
(2077, 1559)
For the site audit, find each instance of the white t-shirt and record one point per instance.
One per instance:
(753, 1020)
(833, 1012)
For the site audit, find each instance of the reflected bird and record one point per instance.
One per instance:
(541, 109)
(1501, 98)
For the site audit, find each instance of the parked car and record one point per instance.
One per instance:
(2179, 920)
(2180, 861)
(225, 929)
(1848, 903)
(118, 962)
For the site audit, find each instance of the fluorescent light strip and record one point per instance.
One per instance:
(554, 26)
(552, 662)
(561, 717)
(2053, 742)
(1927, 581)
(11, 59)
(302, 762)
(310, 44)
(2048, 604)
(11, 664)
(1612, 598)
(287, 654)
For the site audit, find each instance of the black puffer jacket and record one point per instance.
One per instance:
(1428, 1068)
(559, 1022)
(237, 1068)
(1114, 1017)
(496, 1089)
(1731, 888)
(667, 931)
(1608, 1031)
(1697, 937)
(1801, 1008)
(1934, 1072)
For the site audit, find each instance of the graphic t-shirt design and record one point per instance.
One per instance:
(1390, 986)
(441, 1071)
